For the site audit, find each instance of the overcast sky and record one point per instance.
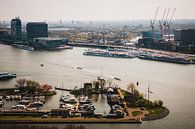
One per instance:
(53, 10)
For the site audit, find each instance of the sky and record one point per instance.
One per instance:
(92, 10)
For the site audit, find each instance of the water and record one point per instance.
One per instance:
(172, 83)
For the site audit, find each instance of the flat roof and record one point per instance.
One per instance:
(35, 23)
(48, 38)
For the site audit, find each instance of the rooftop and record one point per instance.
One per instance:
(48, 38)
(35, 23)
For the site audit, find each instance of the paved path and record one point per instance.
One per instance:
(131, 110)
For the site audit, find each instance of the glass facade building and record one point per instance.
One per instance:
(36, 29)
(16, 29)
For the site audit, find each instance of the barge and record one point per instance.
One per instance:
(105, 53)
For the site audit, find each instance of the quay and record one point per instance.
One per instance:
(35, 117)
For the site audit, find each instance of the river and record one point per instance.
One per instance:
(172, 83)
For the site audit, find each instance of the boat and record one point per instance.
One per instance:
(106, 53)
(79, 68)
(24, 102)
(164, 58)
(25, 47)
(64, 47)
(116, 78)
(36, 104)
(7, 75)
(84, 100)
(68, 99)
(1, 103)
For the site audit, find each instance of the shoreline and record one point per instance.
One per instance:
(70, 120)
(152, 117)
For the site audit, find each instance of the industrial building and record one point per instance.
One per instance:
(36, 30)
(16, 29)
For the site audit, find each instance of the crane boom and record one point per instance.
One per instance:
(155, 15)
(163, 15)
(167, 16)
(172, 16)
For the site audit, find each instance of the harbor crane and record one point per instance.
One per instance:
(161, 22)
(169, 24)
(165, 26)
(152, 22)
(166, 21)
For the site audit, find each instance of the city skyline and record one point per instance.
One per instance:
(92, 10)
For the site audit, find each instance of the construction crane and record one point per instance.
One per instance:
(161, 22)
(169, 24)
(152, 22)
(169, 27)
(166, 21)
(165, 26)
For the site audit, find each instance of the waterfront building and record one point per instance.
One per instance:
(36, 29)
(16, 29)
(177, 35)
(49, 42)
(188, 36)
(188, 40)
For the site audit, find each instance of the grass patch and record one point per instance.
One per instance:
(156, 111)
(136, 113)
(51, 93)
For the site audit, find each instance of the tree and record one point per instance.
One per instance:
(136, 93)
(160, 103)
(131, 87)
(20, 82)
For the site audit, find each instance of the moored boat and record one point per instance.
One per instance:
(7, 75)
(25, 47)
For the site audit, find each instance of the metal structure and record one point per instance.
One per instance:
(161, 22)
(169, 23)
(152, 22)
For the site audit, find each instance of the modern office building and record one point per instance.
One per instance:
(16, 29)
(36, 29)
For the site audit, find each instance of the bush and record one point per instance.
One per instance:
(160, 103)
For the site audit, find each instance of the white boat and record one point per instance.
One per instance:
(84, 100)
(68, 99)
(25, 47)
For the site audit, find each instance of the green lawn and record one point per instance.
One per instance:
(156, 110)
(136, 113)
